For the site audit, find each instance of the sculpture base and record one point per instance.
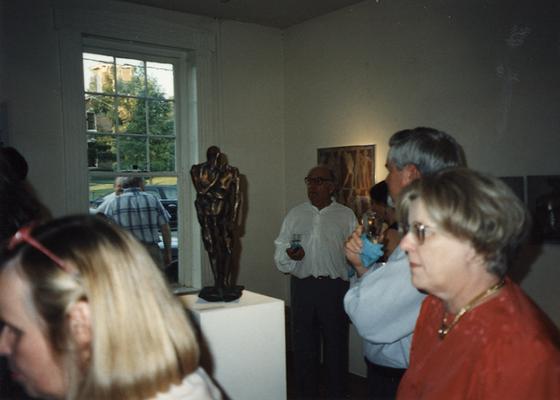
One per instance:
(212, 293)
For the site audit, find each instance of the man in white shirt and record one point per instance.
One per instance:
(382, 304)
(118, 189)
(319, 281)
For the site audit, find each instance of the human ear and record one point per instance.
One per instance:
(79, 321)
(412, 172)
(409, 174)
(474, 257)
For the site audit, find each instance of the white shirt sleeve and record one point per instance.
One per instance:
(323, 233)
(283, 262)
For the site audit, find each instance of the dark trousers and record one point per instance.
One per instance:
(155, 252)
(318, 317)
(383, 382)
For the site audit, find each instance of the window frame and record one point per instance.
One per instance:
(126, 28)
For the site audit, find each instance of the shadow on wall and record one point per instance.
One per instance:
(239, 229)
(524, 261)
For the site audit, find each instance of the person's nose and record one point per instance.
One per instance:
(408, 243)
(5, 347)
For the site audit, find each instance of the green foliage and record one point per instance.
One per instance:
(140, 109)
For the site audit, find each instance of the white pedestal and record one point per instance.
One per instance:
(247, 343)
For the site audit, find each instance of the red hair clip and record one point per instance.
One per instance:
(24, 235)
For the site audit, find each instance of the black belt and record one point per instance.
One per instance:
(319, 277)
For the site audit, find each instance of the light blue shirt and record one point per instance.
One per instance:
(323, 233)
(102, 208)
(383, 306)
(140, 213)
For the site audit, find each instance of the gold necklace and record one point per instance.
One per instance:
(444, 329)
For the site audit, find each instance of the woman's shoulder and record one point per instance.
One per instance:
(195, 386)
(518, 324)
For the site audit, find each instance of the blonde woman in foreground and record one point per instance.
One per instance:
(86, 314)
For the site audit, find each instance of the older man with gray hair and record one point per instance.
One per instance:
(382, 304)
(143, 215)
(118, 189)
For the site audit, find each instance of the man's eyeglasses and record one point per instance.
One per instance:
(23, 235)
(418, 230)
(311, 180)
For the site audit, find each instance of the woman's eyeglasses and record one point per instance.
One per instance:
(23, 235)
(418, 230)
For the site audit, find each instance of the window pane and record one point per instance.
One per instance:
(160, 80)
(131, 77)
(162, 154)
(170, 192)
(99, 73)
(152, 190)
(166, 188)
(133, 153)
(100, 112)
(132, 115)
(99, 188)
(161, 117)
(101, 152)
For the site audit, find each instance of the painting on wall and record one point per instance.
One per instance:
(354, 167)
(543, 200)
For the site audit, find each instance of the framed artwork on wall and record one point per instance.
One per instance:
(354, 168)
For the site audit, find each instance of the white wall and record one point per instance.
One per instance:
(252, 93)
(2, 51)
(32, 83)
(358, 75)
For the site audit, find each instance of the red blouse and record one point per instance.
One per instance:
(505, 348)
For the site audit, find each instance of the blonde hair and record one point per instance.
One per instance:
(472, 206)
(142, 341)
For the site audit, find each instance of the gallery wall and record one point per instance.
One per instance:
(486, 72)
(252, 95)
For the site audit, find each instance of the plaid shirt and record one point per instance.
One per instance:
(140, 213)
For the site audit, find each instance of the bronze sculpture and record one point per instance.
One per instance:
(217, 204)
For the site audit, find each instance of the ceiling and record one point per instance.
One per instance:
(273, 13)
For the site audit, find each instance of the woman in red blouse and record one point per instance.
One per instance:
(478, 336)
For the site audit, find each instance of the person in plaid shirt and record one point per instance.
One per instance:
(143, 215)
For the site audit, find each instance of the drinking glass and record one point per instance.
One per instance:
(295, 242)
(372, 224)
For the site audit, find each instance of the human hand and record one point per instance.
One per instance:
(167, 257)
(295, 253)
(353, 248)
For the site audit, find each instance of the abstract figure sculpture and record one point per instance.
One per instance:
(217, 204)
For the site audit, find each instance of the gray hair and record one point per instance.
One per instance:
(428, 149)
(132, 182)
(473, 206)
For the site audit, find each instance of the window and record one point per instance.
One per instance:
(139, 43)
(131, 128)
(131, 103)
